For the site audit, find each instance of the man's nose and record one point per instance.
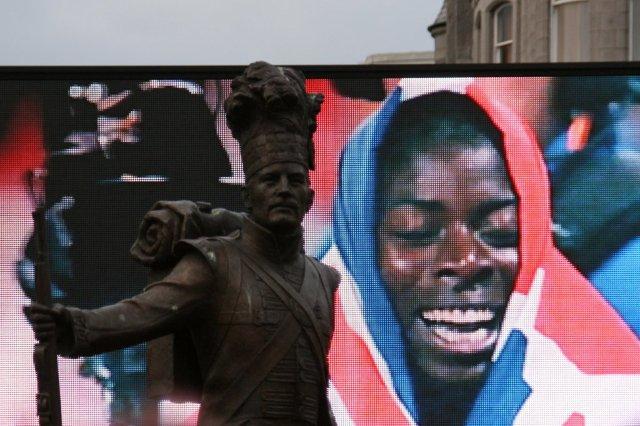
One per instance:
(283, 186)
(463, 261)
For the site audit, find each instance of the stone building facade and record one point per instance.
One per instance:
(420, 57)
(485, 31)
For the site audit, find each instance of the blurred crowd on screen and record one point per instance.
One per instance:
(593, 162)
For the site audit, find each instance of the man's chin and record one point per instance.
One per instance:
(452, 373)
(284, 225)
(449, 368)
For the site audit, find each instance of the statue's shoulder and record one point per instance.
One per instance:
(328, 273)
(213, 249)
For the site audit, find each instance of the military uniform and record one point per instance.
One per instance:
(259, 319)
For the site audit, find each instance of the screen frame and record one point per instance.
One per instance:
(115, 72)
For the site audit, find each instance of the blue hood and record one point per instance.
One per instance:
(354, 220)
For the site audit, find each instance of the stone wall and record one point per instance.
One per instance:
(460, 35)
(469, 31)
(533, 41)
(609, 30)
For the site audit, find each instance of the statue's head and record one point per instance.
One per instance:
(273, 117)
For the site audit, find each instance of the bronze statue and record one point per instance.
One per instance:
(248, 315)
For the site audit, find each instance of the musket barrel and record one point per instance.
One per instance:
(45, 357)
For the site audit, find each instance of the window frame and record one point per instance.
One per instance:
(553, 30)
(495, 44)
(634, 30)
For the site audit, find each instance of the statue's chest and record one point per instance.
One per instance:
(261, 305)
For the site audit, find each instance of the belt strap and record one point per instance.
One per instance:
(231, 295)
(264, 361)
(271, 352)
(287, 294)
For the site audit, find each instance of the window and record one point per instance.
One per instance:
(634, 30)
(477, 37)
(570, 31)
(503, 34)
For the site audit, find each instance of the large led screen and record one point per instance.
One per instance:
(486, 229)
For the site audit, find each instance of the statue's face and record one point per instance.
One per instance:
(448, 254)
(278, 196)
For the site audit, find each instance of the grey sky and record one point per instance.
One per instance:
(210, 32)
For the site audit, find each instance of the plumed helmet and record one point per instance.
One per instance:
(272, 116)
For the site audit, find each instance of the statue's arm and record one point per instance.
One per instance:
(162, 308)
(153, 312)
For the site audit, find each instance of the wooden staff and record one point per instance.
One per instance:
(44, 352)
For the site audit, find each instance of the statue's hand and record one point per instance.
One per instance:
(47, 322)
(171, 221)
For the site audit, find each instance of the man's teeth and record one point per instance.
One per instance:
(459, 316)
(479, 335)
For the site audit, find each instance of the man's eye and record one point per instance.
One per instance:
(500, 238)
(418, 237)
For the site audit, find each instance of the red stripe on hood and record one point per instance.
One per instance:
(571, 312)
(587, 329)
(357, 379)
(530, 181)
(576, 419)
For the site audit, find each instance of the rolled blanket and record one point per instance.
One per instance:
(171, 221)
